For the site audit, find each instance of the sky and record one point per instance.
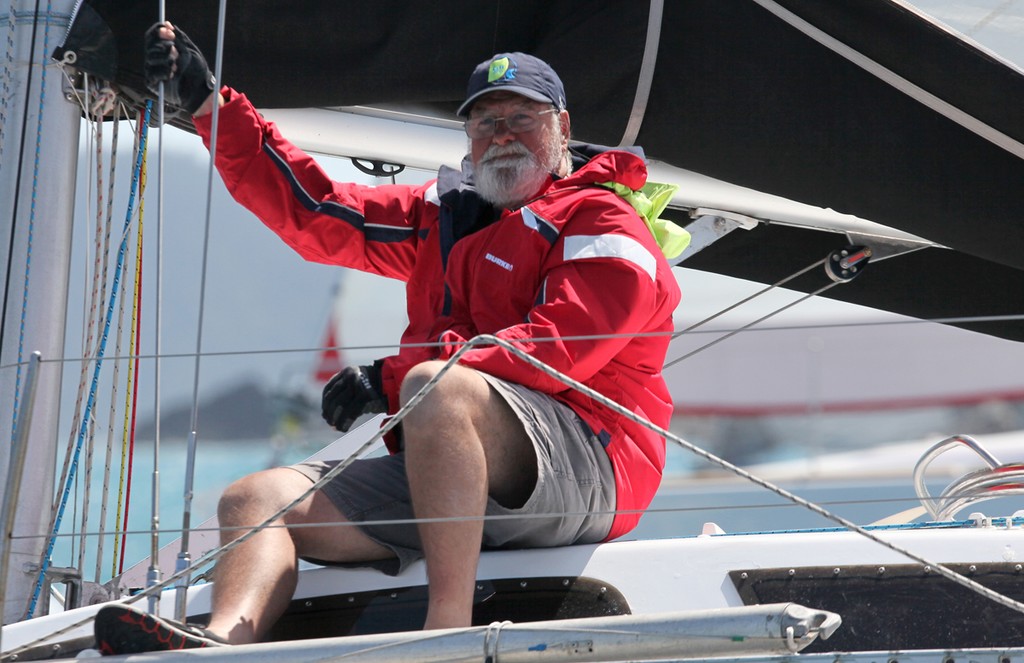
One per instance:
(258, 296)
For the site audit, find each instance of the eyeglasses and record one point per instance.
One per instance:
(519, 122)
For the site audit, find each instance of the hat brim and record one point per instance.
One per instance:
(524, 91)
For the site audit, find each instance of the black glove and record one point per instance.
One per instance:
(351, 393)
(191, 83)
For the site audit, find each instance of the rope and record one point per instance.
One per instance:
(126, 455)
(137, 335)
(132, 364)
(44, 565)
(90, 312)
(103, 223)
(117, 371)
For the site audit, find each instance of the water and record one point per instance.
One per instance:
(218, 464)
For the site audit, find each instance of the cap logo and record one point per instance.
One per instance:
(501, 68)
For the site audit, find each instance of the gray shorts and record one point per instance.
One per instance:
(573, 501)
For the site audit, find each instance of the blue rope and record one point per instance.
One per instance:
(99, 363)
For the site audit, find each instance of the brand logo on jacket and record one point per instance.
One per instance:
(499, 262)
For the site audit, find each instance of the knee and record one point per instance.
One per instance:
(255, 496)
(418, 377)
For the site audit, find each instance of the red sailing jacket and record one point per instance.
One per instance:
(575, 262)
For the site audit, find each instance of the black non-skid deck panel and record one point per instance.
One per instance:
(404, 609)
(896, 607)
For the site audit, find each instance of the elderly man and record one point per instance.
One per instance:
(515, 244)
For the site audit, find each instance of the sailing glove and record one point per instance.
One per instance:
(354, 391)
(191, 83)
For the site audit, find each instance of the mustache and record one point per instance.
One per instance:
(512, 149)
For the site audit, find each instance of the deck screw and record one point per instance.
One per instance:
(792, 572)
(972, 568)
(565, 583)
(1017, 568)
(881, 570)
(479, 588)
(351, 599)
(309, 604)
(927, 569)
(835, 571)
(394, 595)
(743, 576)
(523, 584)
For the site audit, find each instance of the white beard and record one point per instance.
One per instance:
(509, 181)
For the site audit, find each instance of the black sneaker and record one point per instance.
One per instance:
(122, 629)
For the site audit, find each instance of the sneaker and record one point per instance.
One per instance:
(122, 629)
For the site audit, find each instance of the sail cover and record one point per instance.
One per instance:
(866, 107)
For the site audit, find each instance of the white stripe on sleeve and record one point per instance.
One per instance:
(582, 247)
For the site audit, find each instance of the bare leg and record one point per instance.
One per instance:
(462, 443)
(254, 582)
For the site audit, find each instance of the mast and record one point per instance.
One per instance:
(38, 161)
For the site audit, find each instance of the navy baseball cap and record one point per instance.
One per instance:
(515, 72)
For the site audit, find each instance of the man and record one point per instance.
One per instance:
(515, 245)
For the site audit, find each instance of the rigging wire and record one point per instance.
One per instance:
(387, 346)
(1013, 521)
(759, 293)
(190, 464)
(154, 569)
(751, 324)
